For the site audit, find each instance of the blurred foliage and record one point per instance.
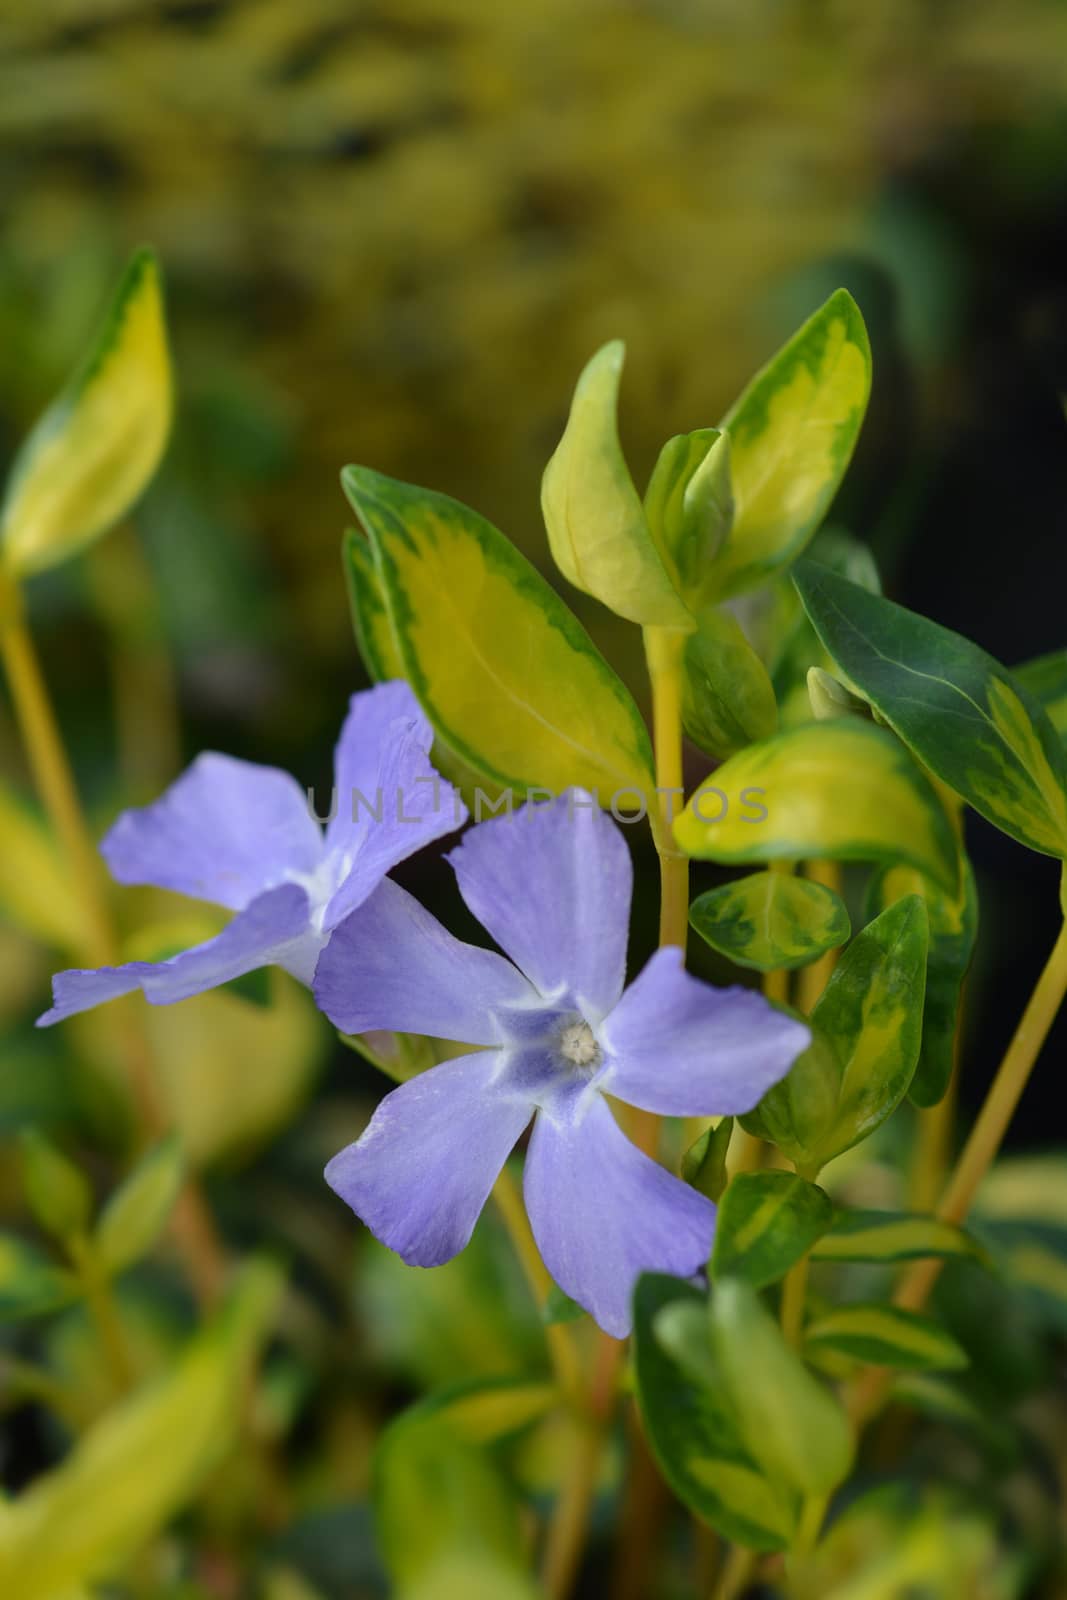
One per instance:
(394, 232)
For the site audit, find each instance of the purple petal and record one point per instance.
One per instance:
(602, 1213)
(392, 965)
(552, 885)
(422, 1171)
(679, 1047)
(224, 831)
(272, 931)
(390, 800)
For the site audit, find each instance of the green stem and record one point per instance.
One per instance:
(568, 1528)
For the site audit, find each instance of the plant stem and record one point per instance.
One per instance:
(980, 1150)
(192, 1225)
(812, 979)
(664, 648)
(570, 1522)
(568, 1528)
(794, 1291)
(51, 770)
(564, 1357)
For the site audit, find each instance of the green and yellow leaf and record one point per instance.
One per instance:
(861, 1235)
(953, 931)
(792, 433)
(866, 1031)
(770, 920)
(766, 1222)
(845, 791)
(689, 504)
(507, 675)
(790, 1423)
(93, 451)
(597, 530)
(886, 1336)
(691, 1430)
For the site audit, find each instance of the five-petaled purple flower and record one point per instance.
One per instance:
(243, 836)
(552, 885)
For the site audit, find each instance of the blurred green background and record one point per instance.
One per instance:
(392, 234)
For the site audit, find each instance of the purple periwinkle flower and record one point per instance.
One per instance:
(552, 885)
(244, 836)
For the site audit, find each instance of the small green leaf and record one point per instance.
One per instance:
(788, 1421)
(727, 698)
(771, 920)
(507, 675)
(792, 434)
(689, 504)
(830, 699)
(30, 1286)
(142, 1462)
(704, 1163)
(867, 1027)
(953, 931)
(93, 451)
(597, 531)
(886, 1336)
(766, 1222)
(860, 1235)
(58, 1194)
(960, 711)
(846, 791)
(137, 1212)
(691, 1431)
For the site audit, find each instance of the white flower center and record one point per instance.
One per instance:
(577, 1045)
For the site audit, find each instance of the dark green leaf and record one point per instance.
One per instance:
(957, 708)
(727, 698)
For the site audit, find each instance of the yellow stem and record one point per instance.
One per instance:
(567, 1530)
(51, 770)
(564, 1357)
(192, 1226)
(664, 649)
(737, 1574)
(794, 1291)
(980, 1150)
(812, 980)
